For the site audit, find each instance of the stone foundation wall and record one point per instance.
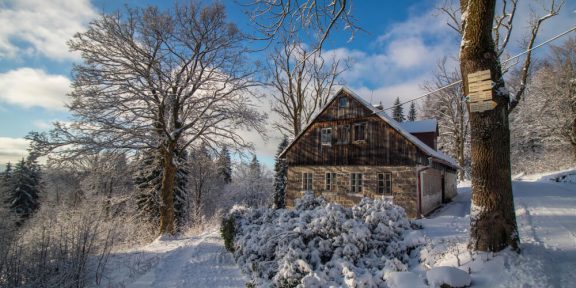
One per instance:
(404, 189)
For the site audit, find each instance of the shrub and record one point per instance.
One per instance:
(228, 231)
(321, 244)
(55, 248)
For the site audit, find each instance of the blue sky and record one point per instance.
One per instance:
(403, 42)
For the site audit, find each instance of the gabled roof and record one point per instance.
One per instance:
(420, 126)
(439, 156)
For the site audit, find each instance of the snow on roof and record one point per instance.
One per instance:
(420, 126)
(425, 148)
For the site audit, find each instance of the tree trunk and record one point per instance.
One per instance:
(493, 220)
(167, 215)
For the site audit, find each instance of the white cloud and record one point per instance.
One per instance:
(407, 53)
(387, 94)
(12, 149)
(43, 125)
(42, 27)
(27, 87)
(402, 58)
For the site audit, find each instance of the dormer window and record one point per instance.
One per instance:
(343, 102)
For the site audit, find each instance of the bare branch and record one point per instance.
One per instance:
(274, 18)
(535, 23)
(301, 82)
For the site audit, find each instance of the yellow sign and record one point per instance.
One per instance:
(480, 91)
(479, 86)
(479, 76)
(480, 96)
(482, 106)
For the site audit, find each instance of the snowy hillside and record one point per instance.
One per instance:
(547, 223)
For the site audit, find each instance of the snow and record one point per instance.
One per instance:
(450, 276)
(547, 225)
(321, 244)
(420, 126)
(198, 261)
(545, 211)
(404, 280)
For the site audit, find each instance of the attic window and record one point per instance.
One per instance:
(343, 102)
(326, 136)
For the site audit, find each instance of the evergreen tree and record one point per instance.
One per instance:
(280, 177)
(25, 187)
(5, 184)
(255, 169)
(148, 180)
(225, 165)
(5, 180)
(7, 219)
(398, 112)
(412, 112)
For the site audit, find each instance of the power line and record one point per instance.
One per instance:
(504, 62)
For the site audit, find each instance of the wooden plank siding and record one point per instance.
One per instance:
(383, 145)
(383, 150)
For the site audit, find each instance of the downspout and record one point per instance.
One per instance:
(419, 173)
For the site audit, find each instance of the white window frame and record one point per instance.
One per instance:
(307, 181)
(329, 181)
(385, 183)
(356, 182)
(326, 136)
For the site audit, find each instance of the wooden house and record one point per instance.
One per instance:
(353, 149)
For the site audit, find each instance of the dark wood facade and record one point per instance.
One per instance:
(349, 138)
(429, 138)
(381, 145)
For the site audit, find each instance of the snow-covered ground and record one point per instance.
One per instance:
(198, 261)
(546, 215)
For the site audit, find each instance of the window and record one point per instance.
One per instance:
(356, 182)
(360, 131)
(330, 182)
(343, 134)
(385, 183)
(326, 136)
(343, 102)
(307, 181)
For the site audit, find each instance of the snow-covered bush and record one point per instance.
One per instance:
(320, 244)
(61, 246)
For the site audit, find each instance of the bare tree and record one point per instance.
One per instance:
(290, 17)
(302, 81)
(155, 79)
(502, 31)
(485, 36)
(546, 119)
(493, 222)
(204, 181)
(448, 106)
